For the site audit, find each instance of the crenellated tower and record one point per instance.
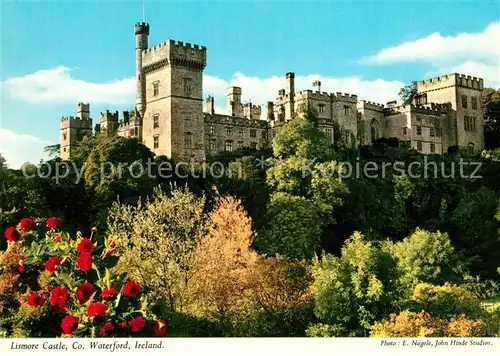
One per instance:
(141, 44)
(74, 129)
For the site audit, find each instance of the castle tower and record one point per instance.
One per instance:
(234, 107)
(74, 129)
(172, 122)
(465, 119)
(141, 43)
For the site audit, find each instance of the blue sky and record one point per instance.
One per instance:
(55, 54)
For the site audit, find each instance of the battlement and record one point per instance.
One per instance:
(109, 116)
(429, 109)
(176, 53)
(369, 105)
(142, 28)
(453, 79)
(234, 121)
(350, 98)
(233, 90)
(76, 122)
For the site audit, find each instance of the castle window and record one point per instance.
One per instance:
(321, 108)
(419, 130)
(253, 133)
(405, 130)
(188, 139)
(386, 124)
(253, 145)
(329, 134)
(263, 134)
(374, 129)
(432, 132)
(464, 101)
(470, 124)
(346, 110)
(65, 136)
(433, 148)
(156, 121)
(156, 142)
(228, 131)
(131, 132)
(136, 131)
(213, 145)
(212, 129)
(187, 86)
(419, 145)
(474, 102)
(438, 132)
(240, 144)
(156, 88)
(474, 124)
(240, 133)
(228, 146)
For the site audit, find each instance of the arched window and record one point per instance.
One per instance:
(374, 129)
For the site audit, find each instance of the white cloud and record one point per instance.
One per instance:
(483, 45)
(261, 90)
(58, 86)
(18, 149)
(489, 72)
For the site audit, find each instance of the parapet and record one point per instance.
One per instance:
(349, 98)
(453, 79)
(233, 90)
(109, 116)
(369, 105)
(176, 53)
(428, 109)
(142, 28)
(76, 123)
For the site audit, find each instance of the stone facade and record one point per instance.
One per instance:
(169, 118)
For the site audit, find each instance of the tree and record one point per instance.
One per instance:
(355, 289)
(408, 93)
(223, 260)
(426, 257)
(52, 150)
(292, 229)
(491, 112)
(158, 240)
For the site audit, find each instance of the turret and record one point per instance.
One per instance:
(234, 107)
(141, 43)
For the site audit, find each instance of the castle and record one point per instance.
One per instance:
(169, 117)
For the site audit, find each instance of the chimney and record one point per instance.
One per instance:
(270, 111)
(317, 86)
(210, 105)
(126, 117)
(290, 83)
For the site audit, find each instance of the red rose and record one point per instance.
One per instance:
(84, 292)
(54, 223)
(21, 269)
(109, 293)
(69, 324)
(137, 324)
(131, 289)
(52, 263)
(12, 235)
(59, 298)
(85, 246)
(105, 328)
(159, 328)
(27, 224)
(96, 309)
(35, 300)
(20, 258)
(84, 261)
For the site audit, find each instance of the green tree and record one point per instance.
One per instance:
(157, 241)
(491, 112)
(52, 150)
(407, 93)
(427, 257)
(355, 289)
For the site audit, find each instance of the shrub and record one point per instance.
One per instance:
(158, 241)
(67, 286)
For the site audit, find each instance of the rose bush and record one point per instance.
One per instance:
(70, 286)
